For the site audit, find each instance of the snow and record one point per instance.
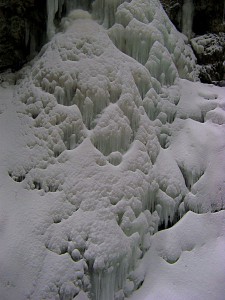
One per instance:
(107, 137)
(185, 261)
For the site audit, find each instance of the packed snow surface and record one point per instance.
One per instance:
(107, 137)
(185, 262)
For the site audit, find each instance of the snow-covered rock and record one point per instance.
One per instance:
(210, 52)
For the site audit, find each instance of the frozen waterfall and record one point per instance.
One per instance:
(105, 150)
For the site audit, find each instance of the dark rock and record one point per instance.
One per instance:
(208, 28)
(22, 31)
(210, 52)
(208, 15)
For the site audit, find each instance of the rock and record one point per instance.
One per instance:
(22, 31)
(208, 15)
(210, 52)
(206, 35)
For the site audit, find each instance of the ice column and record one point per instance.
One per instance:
(187, 17)
(52, 8)
(224, 12)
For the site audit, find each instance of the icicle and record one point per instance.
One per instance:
(105, 11)
(60, 6)
(52, 8)
(27, 33)
(181, 210)
(224, 12)
(88, 112)
(187, 17)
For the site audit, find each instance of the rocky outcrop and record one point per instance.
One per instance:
(208, 15)
(206, 33)
(22, 31)
(210, 52)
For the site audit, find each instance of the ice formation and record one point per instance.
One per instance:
(56, 9)
(187, 17)
(110, 146)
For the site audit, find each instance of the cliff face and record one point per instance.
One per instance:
(22, 31)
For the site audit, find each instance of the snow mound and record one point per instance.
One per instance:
(185, 261)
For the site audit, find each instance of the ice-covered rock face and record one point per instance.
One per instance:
(99, 108)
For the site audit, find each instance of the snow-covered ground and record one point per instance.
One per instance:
(106, 138)
(185, 262)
